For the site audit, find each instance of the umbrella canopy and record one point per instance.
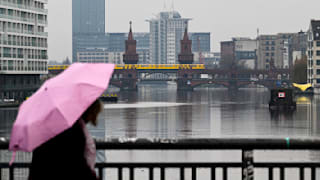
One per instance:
(58, 104)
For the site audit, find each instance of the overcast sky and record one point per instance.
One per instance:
(223, 18)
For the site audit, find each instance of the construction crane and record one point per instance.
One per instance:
(201, 61)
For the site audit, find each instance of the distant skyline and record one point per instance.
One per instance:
(224, 19)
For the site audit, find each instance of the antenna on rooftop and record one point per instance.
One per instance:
(164, 5)
(172, 6)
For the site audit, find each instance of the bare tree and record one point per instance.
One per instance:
(300, 70)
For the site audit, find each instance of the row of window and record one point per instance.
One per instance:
(23, 53)
(13, 65)
(14, 40)
(270, 43)
(310, 62)
(311, 53)
(21, 28)
(26, 3)
(22, 16)
(81, 57)
(269, 54)
(310, 72)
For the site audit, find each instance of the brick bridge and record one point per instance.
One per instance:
(188, 79)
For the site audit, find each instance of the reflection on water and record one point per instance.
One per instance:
(162, 112)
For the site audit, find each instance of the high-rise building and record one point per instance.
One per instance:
(166, 31)
(23, 47)
(200, 41)
(313, 53)
(143, 47)
(88, 25)
(88, 16)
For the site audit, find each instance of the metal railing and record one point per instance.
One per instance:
(247, 165)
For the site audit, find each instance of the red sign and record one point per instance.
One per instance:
(281, 95)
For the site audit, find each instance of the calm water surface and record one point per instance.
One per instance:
(163, 112)
(159, 111)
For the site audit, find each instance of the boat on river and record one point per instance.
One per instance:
(282, 99)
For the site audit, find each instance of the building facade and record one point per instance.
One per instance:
(23, 47)
(99, 56)
(239, 52)
(166, 31)
(212, 59)
(200, 42)
(313, 53)
(277, 51)
(245, 52)
(88, 25)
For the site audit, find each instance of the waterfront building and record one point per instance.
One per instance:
(211, 59)
(240, 51)
(23, 47)
(313, 54)
(277, 51)
(166, 31)
(88, 25)
(245, 52)
(99, 55)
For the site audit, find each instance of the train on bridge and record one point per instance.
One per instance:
(143, 66)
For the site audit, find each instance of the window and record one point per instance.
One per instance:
(318, 53)
(272, 54)
(318, 81)
(267, 66)
(267, 54)
(318, 71)
(318, 62)
(318, 43)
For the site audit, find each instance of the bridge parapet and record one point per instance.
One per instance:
(246, 164)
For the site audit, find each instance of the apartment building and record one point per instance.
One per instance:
(313, 53)
(23, 47)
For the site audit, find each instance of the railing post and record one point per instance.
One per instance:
(247, 165)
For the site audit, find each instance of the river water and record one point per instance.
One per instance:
(159, 111)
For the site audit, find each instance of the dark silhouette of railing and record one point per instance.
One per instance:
(247, 164)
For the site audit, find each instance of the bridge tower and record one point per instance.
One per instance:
(130, 77)
(131, 56)
(184, 81)
(186, 56)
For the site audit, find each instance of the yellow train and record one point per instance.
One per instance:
(57, 67)
(142, 66)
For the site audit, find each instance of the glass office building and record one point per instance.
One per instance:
(88, 25)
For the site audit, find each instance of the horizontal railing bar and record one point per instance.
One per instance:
(287, 165)
(201, 144)
(15, 165)
(185, 164)
(206, 165)
(167, 165)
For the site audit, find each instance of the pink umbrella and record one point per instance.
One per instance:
(58, 104)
